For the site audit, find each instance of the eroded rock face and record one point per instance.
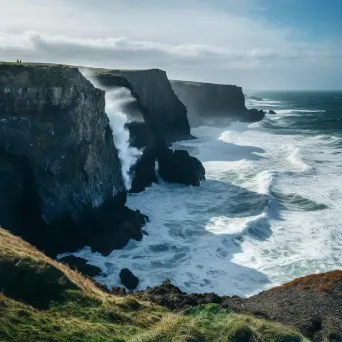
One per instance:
(179, 167)
(147, 134)
(55, 120)
(205, 100)
(165, 111)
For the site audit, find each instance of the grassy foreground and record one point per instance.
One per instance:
(44, 300)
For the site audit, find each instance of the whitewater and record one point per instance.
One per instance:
(269, 211)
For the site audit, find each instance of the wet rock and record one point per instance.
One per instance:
(129, 279)
(144, 171)
(81, 265)
(271, 112)
(179, 167)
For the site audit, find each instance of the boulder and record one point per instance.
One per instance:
(129, 279)
(179, 167)
(271, 112)
(81, 265)
(144, 171)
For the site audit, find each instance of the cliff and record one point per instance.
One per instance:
(205, 100)
(146, 132)
(166, 112)
(55, 303)
(57, 156)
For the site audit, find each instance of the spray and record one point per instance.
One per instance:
(116, 99)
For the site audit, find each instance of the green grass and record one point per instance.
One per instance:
(44, 300)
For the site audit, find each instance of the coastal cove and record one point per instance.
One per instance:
(133, 215)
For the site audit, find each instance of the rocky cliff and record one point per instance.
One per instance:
(147, 134)
(166, 111)
(214, 100)
(57, 155)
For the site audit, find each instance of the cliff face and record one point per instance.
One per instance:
(166, 111)
(56, 118)
(57, 155)
(146, 133)
(213, 100)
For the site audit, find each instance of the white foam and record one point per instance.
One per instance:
(116, 99)
(231, 235)
(291, 111)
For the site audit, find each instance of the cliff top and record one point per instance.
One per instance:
(202, 84)
(32, 74)
(57, 303)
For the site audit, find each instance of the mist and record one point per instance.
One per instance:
(116, 100)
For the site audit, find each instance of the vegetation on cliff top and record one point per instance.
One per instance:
(42, 299)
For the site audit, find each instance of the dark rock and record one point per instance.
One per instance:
(158, 107)
(271, 112)
(173, 298)
(207, 100)
(62, 166)
(81, 265)
(129, 279)
(179, 167)
(144, 171)
(165, 111)
(252, 115)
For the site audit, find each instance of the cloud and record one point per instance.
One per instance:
(192, 39)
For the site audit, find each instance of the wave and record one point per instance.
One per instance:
(295, 158)
(290, 111)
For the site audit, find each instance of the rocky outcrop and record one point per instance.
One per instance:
(55, 135)
(81, 265)
(271, 112)
(205, 100)
(129, 279)
(179, 167)
(146, 134)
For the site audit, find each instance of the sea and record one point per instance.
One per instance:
(269, 211)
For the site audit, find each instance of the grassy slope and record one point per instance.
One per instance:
(69, 307)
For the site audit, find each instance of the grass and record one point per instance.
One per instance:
(43, 300)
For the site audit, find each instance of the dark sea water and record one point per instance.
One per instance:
(270, 210)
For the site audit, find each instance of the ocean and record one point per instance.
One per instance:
(270, 209)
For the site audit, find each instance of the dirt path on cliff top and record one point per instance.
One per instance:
(312, 304)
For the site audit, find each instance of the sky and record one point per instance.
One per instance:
(256, 44)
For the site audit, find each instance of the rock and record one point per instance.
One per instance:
(172, 297)
(271, 112)
(166, 112)
(56, 138)
(207, 100)
(144, 171)
(149, 134)
(255, 98)
(252, 115)
(129, 279)
(179, 167)
(81, 265)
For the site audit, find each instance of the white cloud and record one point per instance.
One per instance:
(190, 39)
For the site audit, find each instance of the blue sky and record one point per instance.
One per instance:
(257, 44)
(316, 19)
